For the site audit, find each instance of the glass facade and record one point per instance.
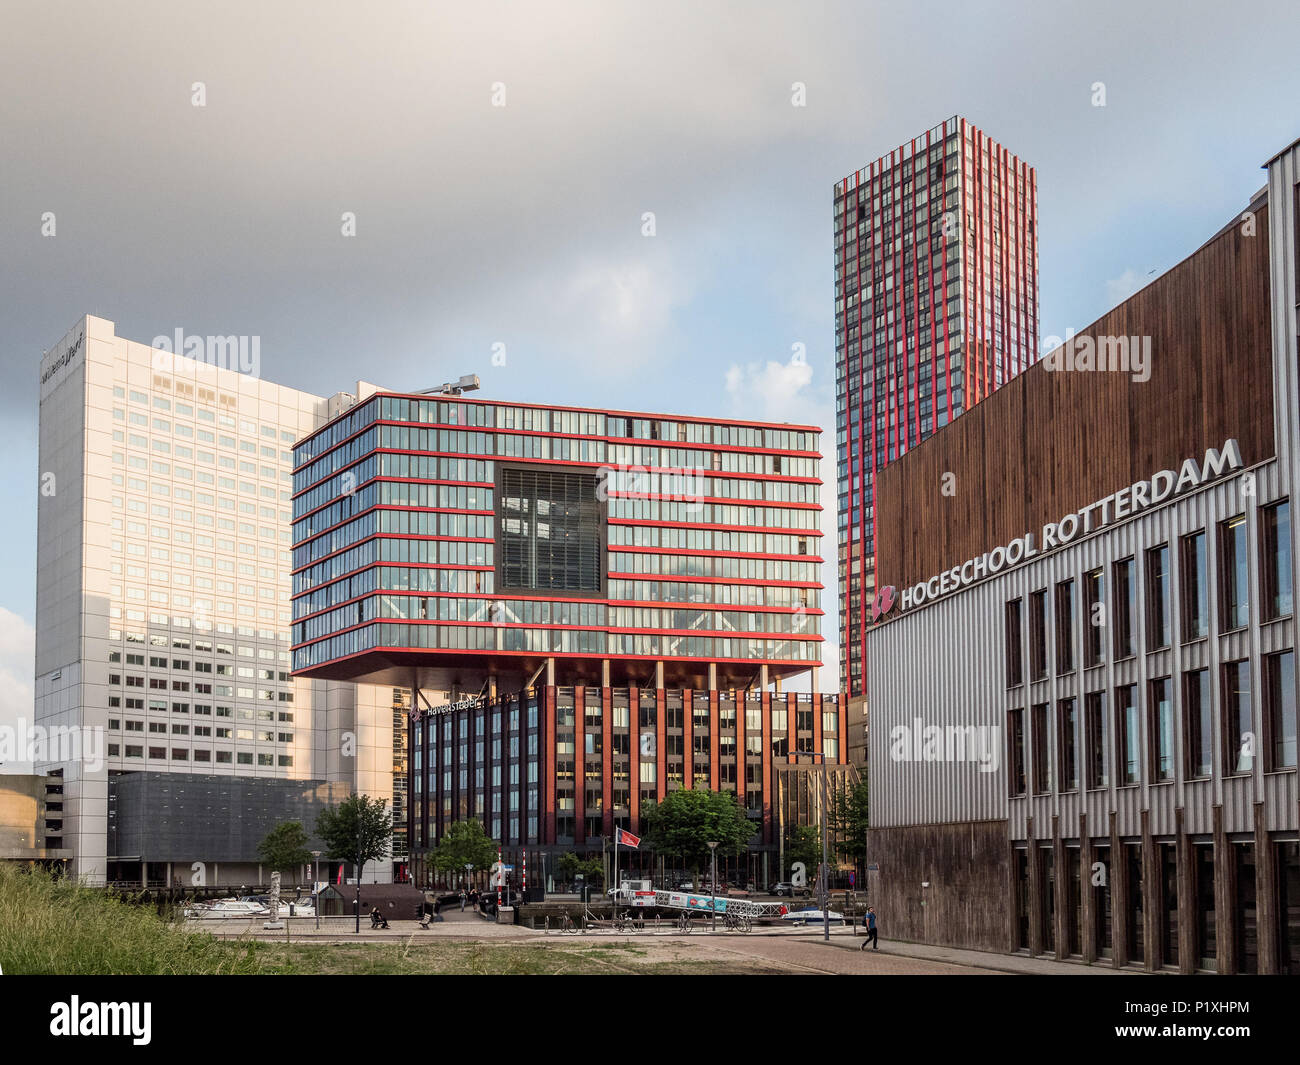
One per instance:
(936, 306)
(442, 525)
(560, 766)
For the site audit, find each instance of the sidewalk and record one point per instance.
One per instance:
(983, 959)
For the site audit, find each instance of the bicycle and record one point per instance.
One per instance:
(737, 922)
(684, 923)
(567, 926)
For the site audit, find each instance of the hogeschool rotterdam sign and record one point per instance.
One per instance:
(1127, 502)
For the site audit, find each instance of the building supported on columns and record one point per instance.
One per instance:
(1082, 677)
(591, 608)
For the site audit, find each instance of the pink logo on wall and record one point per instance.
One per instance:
(882, 603)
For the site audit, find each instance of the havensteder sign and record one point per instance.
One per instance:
(1118, 506)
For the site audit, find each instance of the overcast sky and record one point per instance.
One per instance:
(522, 225)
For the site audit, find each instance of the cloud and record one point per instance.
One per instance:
(773, 392)
(17, 696)
(1118, 289)
(783, 392)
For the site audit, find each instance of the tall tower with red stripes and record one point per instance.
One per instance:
(936, 305)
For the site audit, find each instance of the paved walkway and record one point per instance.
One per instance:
(981, 960)
(800, 949)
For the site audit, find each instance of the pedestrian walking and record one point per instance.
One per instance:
(871, 931)
(463, 898)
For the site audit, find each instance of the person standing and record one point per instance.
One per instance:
(463, 897)
(871, 931)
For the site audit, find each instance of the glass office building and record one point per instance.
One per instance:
(592, 608)
(936, 306)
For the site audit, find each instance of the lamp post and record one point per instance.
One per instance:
(315, 886)
(824, 876)
(713, 885)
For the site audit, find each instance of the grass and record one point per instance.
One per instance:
(482, 959)
(52, 926)
(59, 926)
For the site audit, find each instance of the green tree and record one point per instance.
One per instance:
(684, 822)
(464, 843)
(358, 830)
(803, 843)
(569, 866)
(285, 847)
(850, 818)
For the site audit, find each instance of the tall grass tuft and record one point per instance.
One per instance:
(61, 927)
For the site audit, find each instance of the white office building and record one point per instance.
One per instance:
(163, 613)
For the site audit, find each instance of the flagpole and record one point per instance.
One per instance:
(616, 838)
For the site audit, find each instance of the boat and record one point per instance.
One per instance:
(812, 915)
(227, 908)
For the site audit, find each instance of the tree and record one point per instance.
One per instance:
(464, 843)
(684, 822)
(803, 843)
(358, 830)
(850, 818)
(285, 847)
(592, 870)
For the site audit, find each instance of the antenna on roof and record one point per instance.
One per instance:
(468, 383)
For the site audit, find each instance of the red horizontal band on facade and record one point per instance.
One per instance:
(701, 553)
(694, 419)
(668, 605)
(780, 530)
(670, 498)
(691, 471)
(609, 441)
(714, 580)
(795, 665)
(408, 508)
(537, 597)
(372, 536)
(618, 630)
(379, 477)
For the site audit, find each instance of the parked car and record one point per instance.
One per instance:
(782, 888)
(686, 885)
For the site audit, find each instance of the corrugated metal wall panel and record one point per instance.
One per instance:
(944, 665)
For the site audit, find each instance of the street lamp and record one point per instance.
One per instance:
(713, 884)
(315, 886)
(824, 884)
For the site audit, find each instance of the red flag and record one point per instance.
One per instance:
(627, 839)
(340, 879)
